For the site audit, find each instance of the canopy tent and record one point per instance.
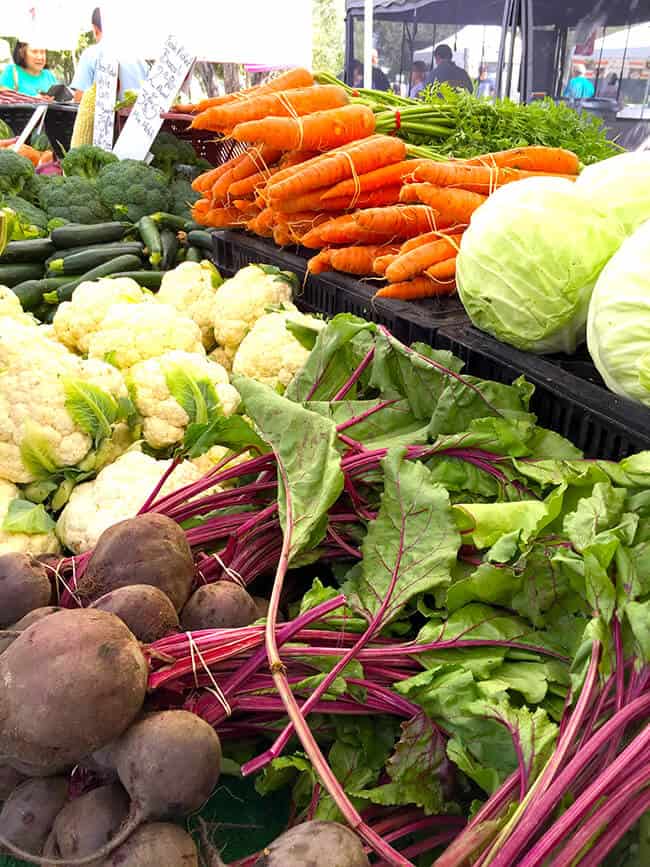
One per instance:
(52, 24)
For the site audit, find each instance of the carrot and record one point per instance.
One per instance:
(408, 265)
(322, 173)
(285, 103)
(453, 206)
(320, 263)
(300, 224)
(534, 158)
(419, 287)
(314, 200)
(262, 224)
(319, 131)
(207, 180)
(443, 271)
(287, 81)
(248, 185)
(282, 236)
(295, 158)
(359, 259)
(382, 262)
(200, 209)
(385, 176)
(256, 159)
(428, 237)
(220, 218)
(246, 206)
(398, 221)
(477, 179)
(296, 168)
(341, 230)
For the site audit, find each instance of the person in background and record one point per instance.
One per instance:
(379, 80)
(579, 87)
(131, 74)
(448, 72)
(28, 73)
(485, 84)
(609, 88)
(418, 78)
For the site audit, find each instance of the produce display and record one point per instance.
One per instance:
(283, 590)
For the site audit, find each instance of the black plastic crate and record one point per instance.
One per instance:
(58, 124)
(597, 421)
(333, 293)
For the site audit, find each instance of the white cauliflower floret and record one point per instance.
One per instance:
(270, 353)
(130, 333)
(163, 418)
(119, 492)
(10, 306)
(24, 543)
(242, 300)
(208, 460)
(33, 413)
(190, 288)
(77, 320)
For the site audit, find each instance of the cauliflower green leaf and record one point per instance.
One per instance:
(195, 394)
(92, 409)
(36, 452)
(25, 517)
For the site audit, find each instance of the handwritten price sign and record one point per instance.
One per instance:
(106, 82)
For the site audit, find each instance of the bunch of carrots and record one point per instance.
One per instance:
(35, 157)
(317, 174)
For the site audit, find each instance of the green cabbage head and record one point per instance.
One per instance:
(618, 328)
(620, 186)
(528, 263)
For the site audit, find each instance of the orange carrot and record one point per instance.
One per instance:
(428, 237)
(295, 168)
(208, 179)
(199, 210)
(382, 262)
(419, 287)
(262, 224)
(248, 185)
(382, 177)
(313, 201)
(322, 173)
(247, 206)
(443, 271)
(534, 158)
(300, 224)
(285, 103)
(282, 236)
(359, 259)
(320, 262)
(341, 230)
(319, 131)
(287, 81)
(398, 221)
(256, 159)
(408, 265)
(295, 158)
(220, 218)
(453, 206)
(477, 179)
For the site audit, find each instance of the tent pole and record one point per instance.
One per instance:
(368, 13)
(349, 47)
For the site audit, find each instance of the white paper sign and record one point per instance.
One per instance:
(106, 82)
(156, 95)
(31, 123)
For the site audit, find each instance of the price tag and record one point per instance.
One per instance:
(106, 83)
(155, 97)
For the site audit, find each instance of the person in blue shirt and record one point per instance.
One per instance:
(130, 76)
(28, 73)
(579, 87)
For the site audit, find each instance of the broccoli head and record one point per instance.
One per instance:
(86, 161)
(169, 151)
(26, 212)
(15, 171)
(73, 199)
(132, 189)
(182, 197)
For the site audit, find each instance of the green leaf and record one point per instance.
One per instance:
(305, 335)
(638, 617)
(600, 512)
(391, 426)
(25, 517)
(283, 276)
(195, 394)
(466, 399)
(36, 452)
(308, 463)
(232, 432)
(412, 545)
(92, 409)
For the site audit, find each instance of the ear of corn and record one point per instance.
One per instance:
(84, 124)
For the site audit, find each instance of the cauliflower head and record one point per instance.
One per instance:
(270, 353)
(191, 289)
(206, 462)
(22, 543)
(54, 406)
(77, 320)
(130, 333)
(118, 492)
(175, 389)
(242, 300)
(10, 306)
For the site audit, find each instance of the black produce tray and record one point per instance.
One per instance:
(569, 395)
(59, 121)
(333, 293)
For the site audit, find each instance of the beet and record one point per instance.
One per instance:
(150, 549)
(69, 684)
(317, 844)
(29, 812)
(157, 844)
(146, 610)
(87, 823)
(222, 605)
(263, 606)
(11, 633)
(24, 585)
(9, 779)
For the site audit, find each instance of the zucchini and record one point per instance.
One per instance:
(30, 292)
(117, 265)
(148, 279)
(151, 237)
(12, 275)
(80, 260)
(200, 238)
(169, 249)
(36, 250)
(80, 235)
(194, 254)
(169, 221)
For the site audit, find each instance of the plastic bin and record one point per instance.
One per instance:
(597, 421)
(333, 293)
(58, 125)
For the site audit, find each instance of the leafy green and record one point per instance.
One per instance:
(25, 517)
(91, 408)
(195, 394)
(36, 451)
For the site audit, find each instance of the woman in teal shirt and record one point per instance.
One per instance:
(27, 74)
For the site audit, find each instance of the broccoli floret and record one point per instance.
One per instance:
(15, 171)
(182, 197)
(86, 161)
(26, 212)
(74, 199)
(168, 151)
(132, 189)
(32, 189)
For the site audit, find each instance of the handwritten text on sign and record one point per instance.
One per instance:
(164, 80)
(106, 83)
